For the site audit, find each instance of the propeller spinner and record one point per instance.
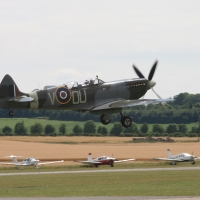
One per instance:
(151, 74)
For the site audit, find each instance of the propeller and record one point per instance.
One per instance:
(151, 74)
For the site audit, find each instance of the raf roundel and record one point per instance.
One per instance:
(63, 95)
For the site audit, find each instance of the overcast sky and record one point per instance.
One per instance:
(49, 42)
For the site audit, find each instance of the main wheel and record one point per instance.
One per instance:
(105, 122)
(126, 121)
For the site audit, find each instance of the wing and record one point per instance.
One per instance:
(16, 164)
(168, 159)
(119, 161)
(46, 163)
(127, 103)
(88, 162)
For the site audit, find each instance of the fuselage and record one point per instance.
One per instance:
(183, 157)
(80, 97)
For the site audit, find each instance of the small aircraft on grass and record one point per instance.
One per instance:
(28, 162)
(103, 160)
(93, 95)
(183, 157)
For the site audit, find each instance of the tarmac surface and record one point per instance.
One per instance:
(100, 171)
(107, 198)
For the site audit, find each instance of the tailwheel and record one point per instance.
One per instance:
(104, 121)
(126, 121)
(10, 113)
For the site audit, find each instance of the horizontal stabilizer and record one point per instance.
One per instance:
(22, 99)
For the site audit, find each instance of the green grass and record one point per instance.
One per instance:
(156, 183)
(70, 124)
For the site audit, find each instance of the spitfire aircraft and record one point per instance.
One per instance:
(94, 95)
(28, 162)
(183, 157)
(103, 160)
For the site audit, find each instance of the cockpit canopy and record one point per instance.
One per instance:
(88, 82)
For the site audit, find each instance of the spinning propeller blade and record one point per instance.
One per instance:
(137, 71)
(153, 69)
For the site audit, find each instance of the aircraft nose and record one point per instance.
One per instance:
(152, 83)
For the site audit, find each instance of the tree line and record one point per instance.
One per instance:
(90, 129)
(184, 109)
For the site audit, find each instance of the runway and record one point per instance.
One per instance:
(101, 171)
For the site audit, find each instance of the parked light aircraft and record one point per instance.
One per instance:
(183, 157)
(103, 160)
(93, 95)
(28, 162)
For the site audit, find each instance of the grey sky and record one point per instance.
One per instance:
(53, 42)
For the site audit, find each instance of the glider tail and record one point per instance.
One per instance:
(169, 153)
(13, 157)
(89, 157)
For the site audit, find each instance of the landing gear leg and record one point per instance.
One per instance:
(193, 162)
(126, 121)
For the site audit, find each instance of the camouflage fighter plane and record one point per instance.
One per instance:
(94, 95)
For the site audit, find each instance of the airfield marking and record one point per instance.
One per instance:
(101, 171)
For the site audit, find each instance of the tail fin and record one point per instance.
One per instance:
(169, 154)
(9, 88)
(89, 157)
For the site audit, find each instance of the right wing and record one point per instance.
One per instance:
(119, 161)
(128, 103)
(169, 159)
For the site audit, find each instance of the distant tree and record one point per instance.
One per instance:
(144, 128)
(62, 129)
(49, 129)
(36, 129)
(77, 130)
(157, 128)
(102, 130)
(20, 128)
(116, 129)
(7, 130)
(171, 128)
(89, 128)
(182, 128)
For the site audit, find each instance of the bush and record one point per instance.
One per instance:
(62, 129)
(77, 130)
(20, 129)
(89, 128)
(36, 129)
(7, 130)
(116, 129)
(49, 129)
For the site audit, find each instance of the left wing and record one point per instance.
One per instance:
(45, 163)
(119, 161)
(127, 103)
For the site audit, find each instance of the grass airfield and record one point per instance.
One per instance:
(146, 183)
